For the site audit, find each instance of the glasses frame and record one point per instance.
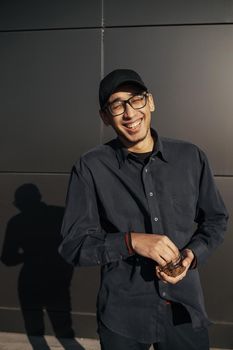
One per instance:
(124, 102)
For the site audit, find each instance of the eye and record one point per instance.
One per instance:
(137, 97)
(116, 104)
(137, 100)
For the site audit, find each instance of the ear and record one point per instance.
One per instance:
(151, 103)
(104, 117)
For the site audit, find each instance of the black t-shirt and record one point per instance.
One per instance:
(143, 157)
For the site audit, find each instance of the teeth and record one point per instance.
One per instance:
(134, 125)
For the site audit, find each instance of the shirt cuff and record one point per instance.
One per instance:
(116, 247)
(128, 242)
(193, 264)
(199, 250)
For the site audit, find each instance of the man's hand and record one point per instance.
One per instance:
(156, 247)
(188, 258)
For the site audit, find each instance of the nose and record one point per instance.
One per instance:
(129, 111)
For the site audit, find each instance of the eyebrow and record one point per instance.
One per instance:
(130, 95)
(118, 99)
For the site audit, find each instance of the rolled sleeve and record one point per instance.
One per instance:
(211, 216)
(116, 247)
(85, 243)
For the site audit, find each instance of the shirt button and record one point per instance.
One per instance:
(164, 294)
(146, 170)
(156, 219)
(151, 194)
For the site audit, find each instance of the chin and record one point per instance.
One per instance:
(133, 139)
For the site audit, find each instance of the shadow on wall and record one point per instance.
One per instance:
(32, 239)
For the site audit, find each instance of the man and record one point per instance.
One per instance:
(131, 208)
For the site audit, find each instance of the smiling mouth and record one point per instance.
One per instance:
(134, 125)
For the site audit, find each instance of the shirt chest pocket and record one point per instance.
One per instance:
(184, 204)
(182, 211)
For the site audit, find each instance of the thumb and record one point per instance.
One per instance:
(188, 257)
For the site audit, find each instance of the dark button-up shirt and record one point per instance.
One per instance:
(111, 192)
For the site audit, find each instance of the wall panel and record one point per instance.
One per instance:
(13, 186)
(47, 82)
(189, 71)
(25, 228)
(42, 14)
(153, 12)
(216, 280)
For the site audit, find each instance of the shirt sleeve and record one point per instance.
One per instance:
(211, 217)
(85, 243)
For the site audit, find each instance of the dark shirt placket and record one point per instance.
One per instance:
(149, 179)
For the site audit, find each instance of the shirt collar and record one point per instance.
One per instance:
(122, 153)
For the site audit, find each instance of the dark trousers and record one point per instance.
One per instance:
(179, 335)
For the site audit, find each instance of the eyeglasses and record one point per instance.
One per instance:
(118, 107)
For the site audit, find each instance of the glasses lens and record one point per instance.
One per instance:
(117, 107)
(138, 101)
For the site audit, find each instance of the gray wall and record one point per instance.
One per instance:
(53, 54)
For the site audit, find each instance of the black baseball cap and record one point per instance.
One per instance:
(116, 78)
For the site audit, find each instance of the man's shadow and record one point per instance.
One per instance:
(32, 239)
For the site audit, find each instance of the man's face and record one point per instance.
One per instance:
(133, 126)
